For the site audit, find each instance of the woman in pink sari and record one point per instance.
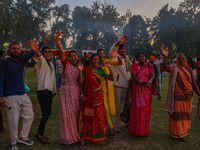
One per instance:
(142, 76)
(69, 96)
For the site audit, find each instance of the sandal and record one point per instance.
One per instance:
(42, 139)
(82, 146)
(37, 136)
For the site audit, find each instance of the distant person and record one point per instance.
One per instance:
(155, 82)
(191, 62)
(87, 62)
(59, 71)
(84, 57)
(141, 101)
(160, 75)
(180, 95)
(14, 94)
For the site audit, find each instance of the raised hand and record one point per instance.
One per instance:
(58, 33)
(33, 45)
(164, 51)
(123, 39)
(80, 66)
(46, 38)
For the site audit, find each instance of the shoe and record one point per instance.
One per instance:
(13, 147)
(25, 141)
(37, 136)
(42, 139)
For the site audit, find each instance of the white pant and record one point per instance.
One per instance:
(20, 106)
(120, 94)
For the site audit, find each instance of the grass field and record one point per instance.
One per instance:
(158, 139)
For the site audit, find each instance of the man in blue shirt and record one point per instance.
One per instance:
(14, 93)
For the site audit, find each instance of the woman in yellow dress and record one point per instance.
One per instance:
(108, 92)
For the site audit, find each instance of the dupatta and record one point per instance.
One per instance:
(181, 79)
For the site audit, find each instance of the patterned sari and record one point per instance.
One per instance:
(179, 101)
(141, 102)
(92, 116)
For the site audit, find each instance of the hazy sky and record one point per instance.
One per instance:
(148, 8)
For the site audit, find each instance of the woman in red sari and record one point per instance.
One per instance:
(142, 76)
(92, 121)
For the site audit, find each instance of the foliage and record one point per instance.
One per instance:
(100, 25)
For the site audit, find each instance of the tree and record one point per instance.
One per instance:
(139, 39)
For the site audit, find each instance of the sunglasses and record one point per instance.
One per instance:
(48, 52)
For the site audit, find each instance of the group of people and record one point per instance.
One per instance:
(92, 91)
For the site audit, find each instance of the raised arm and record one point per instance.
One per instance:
(59, 46)
(113, 52)
(165, 53)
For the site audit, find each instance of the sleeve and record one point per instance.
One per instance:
(30, 54)
(114, 62)
(166, 67)
(25, 58)
(64, 62)
(133, 69)
(113, 51)
(40, 44)
(2, 77)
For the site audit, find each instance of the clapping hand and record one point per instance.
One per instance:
(33, 45)
(80, 66)
(164, 51)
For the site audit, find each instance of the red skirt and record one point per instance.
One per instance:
(95, 131)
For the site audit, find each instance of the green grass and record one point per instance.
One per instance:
(158, 139)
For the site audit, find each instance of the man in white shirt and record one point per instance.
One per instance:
(122, 77)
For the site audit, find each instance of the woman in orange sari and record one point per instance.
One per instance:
(92, 122)
(180, 95)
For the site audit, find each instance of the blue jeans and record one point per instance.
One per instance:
(58, 81)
